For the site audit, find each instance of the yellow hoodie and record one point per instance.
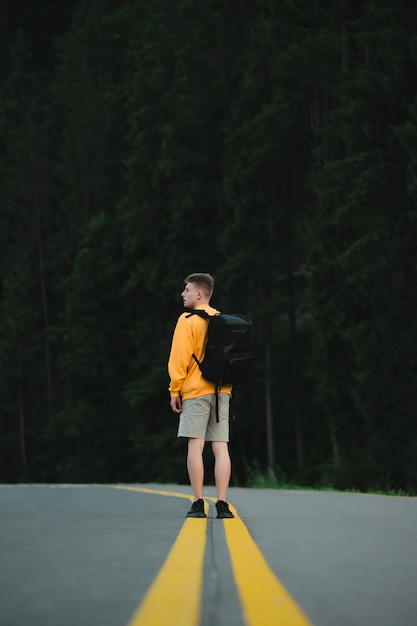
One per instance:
(190, 336)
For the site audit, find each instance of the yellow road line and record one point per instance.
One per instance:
(264, 600)
(175, 594)
(154, 491)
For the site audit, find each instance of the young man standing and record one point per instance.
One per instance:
(194, 398)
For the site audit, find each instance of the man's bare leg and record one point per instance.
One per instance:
(195, 466)
(222, 468)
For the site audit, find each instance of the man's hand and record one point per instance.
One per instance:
(176, 404)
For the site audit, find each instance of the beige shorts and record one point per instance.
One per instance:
(198, 418)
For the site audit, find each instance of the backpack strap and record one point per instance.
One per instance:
(206, 316)
(199, 312)
(217, 404)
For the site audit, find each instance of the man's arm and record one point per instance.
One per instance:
(179, 360)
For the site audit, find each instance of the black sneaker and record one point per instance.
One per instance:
(223, 510)
(197, 509)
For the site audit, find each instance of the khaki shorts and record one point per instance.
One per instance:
(198, 418)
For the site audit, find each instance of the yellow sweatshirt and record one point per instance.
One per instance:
(190, 336)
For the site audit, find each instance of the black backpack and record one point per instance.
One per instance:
(228, 359)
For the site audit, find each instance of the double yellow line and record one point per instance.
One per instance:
(175, 595)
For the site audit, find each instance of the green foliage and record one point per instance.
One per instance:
(362, 252)
(271, 479)
(271, 144)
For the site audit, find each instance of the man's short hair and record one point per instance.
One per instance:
(204, 281)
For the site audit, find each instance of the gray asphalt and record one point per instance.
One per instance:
(85, 555)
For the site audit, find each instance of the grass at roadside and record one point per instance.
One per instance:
(277, 480)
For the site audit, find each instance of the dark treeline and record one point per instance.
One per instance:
(272, 143)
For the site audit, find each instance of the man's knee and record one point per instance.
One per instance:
(196, 445)
(220, 447)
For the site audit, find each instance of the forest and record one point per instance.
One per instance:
(272, 143)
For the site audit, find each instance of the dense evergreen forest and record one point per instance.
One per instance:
(272, 143)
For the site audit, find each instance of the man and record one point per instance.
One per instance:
(194, 398)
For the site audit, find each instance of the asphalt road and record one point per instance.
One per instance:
(88, 555)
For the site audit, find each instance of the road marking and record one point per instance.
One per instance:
(175, 595)
(264, 600)
(157, 492)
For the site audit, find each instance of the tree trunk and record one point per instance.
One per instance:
(47, 345)
(333, 438)
(41, 269)
(298, 428)
(22, 427)
(268, 402)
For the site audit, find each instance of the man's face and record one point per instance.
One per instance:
(191, 295)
